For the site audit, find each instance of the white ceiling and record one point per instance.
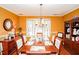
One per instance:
(34, 9)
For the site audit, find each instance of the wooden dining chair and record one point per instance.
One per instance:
(58, 42)
(1, 48)
(53, 39)
(39, 37)
(19, 44)
(24, 39)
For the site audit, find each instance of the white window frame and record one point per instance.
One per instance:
(32, 19)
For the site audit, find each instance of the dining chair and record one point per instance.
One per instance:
(31, 41)
(39, 37)
(58, 42)
(1, 49)
(19, 44)
(53, 39)
(46, 41)
(24, 37)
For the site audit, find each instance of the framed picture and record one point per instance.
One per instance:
(8, 24)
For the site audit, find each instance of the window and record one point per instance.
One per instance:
(34, 26)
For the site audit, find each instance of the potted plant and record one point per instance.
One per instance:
(19, 31)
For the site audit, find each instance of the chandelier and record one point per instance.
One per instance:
(41, 11)
(41, 25)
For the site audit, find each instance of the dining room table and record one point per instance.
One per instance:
(39, 49)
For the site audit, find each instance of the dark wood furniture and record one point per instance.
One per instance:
(19, 43)
(1, 48)
(49, 50)
(12, 48)
(71, 42)
(58, 44)
(64, 51)
(9, 47)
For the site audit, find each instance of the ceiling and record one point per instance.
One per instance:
(34, 9)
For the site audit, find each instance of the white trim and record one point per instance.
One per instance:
(70, 11)
(38, 15)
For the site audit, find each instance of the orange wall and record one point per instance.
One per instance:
(22, 23)
(70, 15)
(57, 22)
(6, 14)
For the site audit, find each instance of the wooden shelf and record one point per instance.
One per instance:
(71, 46)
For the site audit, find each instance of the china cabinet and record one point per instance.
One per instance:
(71, 39)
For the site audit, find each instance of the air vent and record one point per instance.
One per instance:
(55, 14)
(20, 14)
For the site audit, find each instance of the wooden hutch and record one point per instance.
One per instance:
(9, 46)
(71, 38)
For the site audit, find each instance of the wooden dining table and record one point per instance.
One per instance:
(49, 49)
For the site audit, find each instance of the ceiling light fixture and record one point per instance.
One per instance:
(41, 10)
(41, 13)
